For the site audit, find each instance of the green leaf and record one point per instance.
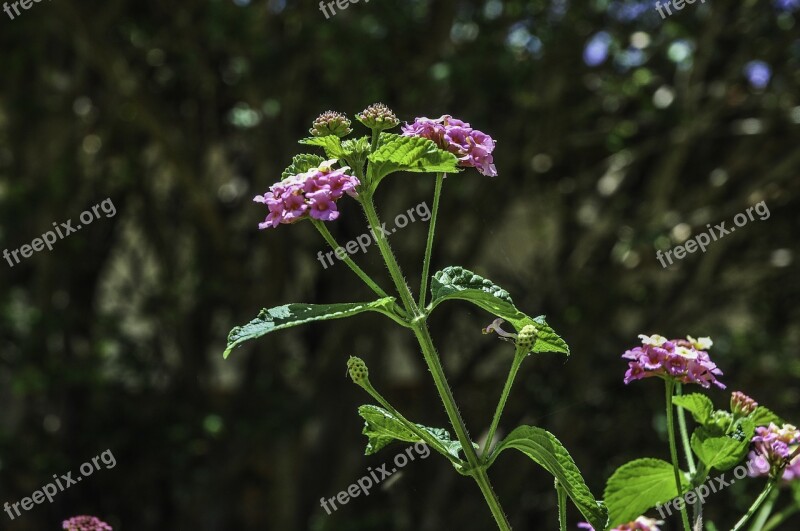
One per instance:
(763, 416)
(700, 406)
(548, 452)
(638, 486)
(332, 145)
(408, 153)
(721, 452)
(458, 283)
(295, 314)
(302, 163)
(382, 428)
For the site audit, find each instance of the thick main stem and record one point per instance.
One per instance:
(426, 262)
(756, 504)
(673, 451)
(423, 336)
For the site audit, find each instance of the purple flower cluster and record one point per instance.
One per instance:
(640, 524)
(472, 147)
(85, 523)
(772, 446)
(684, 360)
(310, 194)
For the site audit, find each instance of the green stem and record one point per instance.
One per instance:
(376, 134)
(426, 263)
(512, 374)
(781, 517)
(765, 512)
(756, 504)
(687, 447)
(357, 270)
(413, 428)
(422, 334)
(562, 507)
(673, 451)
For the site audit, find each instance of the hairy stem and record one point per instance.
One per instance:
(423, 336)
(673, 451)
(512, 374)
(756, 504)
(426, 262)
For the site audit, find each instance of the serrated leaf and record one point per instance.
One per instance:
(382, 428)
(638, 486)
(720, 452)
(700, 406)
(548, 452)
(408, 153)
(332, 145)
(458, 283)
(295, 314)
(763, 416)
(302, 163)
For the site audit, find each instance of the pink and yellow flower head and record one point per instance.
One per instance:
(472, 147)
(772, 446)
(311, 194)
(85, 523)
(683, 360)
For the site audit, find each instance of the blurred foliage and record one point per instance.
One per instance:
(618, 133)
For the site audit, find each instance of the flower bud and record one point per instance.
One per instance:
(378, 116)
(331, 123)
(357, 370)
(526, 338)
(742, 405)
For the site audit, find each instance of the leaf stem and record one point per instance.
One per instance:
(562, 507)
(766, 511)
(673, 450)
(687, 447)
(501, 404)
(413, 428)
(419, 325)
(320, 226)
(781, 517)
(426, 262)
(756, 504)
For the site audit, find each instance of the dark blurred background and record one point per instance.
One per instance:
(618, 133)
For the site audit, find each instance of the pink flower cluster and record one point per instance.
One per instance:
(85, 523)
(640, 524)
(684, 360)
(472, 147)
(772, 446)
(310, 194)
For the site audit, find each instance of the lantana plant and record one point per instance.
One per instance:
(721, 441)
(310, 189)
(352, 169)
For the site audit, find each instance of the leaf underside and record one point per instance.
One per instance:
(383, 428)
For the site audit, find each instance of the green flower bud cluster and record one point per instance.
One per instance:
(526, 338)
(378, 116)
(331, 123)
(358, 371)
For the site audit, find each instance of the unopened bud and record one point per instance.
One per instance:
(378, 116)
(526, 338)
(357, 370)
(742, 405)
(331, 123)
